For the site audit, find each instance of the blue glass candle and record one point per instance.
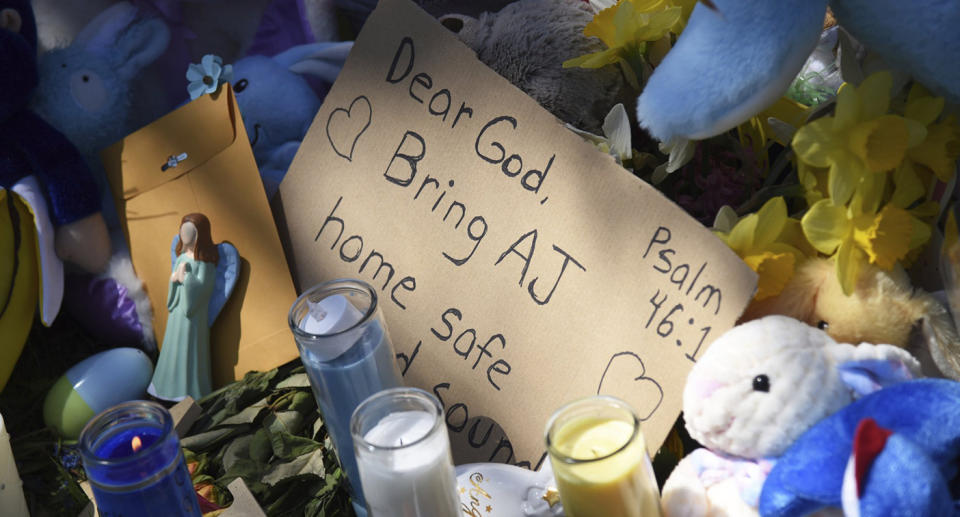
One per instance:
(133, 460)
(346, 350)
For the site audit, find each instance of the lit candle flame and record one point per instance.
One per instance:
(136, 444)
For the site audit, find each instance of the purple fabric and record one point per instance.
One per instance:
(284, 25)
(103, 309)
(176, 58)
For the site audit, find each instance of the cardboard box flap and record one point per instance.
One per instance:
(176, 143)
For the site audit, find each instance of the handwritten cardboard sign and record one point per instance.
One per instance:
(519, 268)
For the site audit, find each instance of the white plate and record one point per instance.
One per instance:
(497, 490)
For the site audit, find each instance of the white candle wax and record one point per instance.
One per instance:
(328, 316)
(11, 489)
(413, 476)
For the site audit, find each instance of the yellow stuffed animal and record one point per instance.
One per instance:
(884, 308)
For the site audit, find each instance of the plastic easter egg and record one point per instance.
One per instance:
(94, 384)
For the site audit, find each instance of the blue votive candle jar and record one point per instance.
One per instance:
(346, 350)
(133, 460)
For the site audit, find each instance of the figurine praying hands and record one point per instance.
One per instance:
(203, 277)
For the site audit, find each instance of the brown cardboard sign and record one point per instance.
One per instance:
(519, 268)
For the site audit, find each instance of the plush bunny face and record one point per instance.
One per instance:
(85, 89)
(761, 385)
(277, 104)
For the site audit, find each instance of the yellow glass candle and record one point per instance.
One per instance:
(600, 460)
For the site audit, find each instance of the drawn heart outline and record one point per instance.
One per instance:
(348, 112)
(621, 358)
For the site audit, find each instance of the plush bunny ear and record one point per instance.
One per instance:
(867, 368)
(103, 31)
(323, 60)
(118, 32)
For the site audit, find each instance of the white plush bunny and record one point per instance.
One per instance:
(755, 390)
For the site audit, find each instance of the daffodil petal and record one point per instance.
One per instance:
(874, 93)
(741, 237)
(774, 271)
(770, 220)
(826, 226)
(924, 110)
(916, 132)
(881, 143)
(793, 236)
(849, 261)
(816, 142)
(920, 234)
(870, 192)
(602, 26)
(939, 150)
(845, 175)
(885, 237)
(907, 186)
(847, 110)
(595, 60)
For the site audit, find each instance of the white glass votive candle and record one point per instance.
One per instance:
(403, 454)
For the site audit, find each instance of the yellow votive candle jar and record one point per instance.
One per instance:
(600, 460)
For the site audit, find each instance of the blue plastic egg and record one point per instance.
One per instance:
(94, 384)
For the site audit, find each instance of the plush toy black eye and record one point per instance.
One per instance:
(63, 65)
(823, 325)
(86, 78)
(240, 85)
(761, 383)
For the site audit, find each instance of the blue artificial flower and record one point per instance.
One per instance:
(207, 76)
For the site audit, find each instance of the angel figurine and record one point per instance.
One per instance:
(203, 276)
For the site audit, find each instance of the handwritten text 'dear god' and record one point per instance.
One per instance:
(345, 126)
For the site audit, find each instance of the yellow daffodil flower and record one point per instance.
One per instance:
(627, 28)
(859, 140)
(761, 240)
(859, 233)
(939, 151)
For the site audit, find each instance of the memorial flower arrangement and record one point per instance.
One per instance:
(865, 173)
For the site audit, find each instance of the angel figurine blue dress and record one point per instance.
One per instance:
(203, 277)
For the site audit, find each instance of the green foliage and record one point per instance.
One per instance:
(266, 429)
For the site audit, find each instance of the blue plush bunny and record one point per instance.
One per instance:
(278, 104)
(86, 92)
(906, 470)
(734, 60)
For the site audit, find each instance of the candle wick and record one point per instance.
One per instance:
(401, 442)
(594, 451)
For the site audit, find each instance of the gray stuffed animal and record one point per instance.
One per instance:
(527, 42)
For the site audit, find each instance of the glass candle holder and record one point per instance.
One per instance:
(600, 460)
(133, 460)
(346, 350)
(403, 453)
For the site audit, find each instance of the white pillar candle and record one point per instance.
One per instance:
(12, 501)
(331, 315)
(404, 458)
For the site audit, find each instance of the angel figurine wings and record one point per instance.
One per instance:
(202, 278)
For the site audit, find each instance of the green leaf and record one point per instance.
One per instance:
(310, 463)
(289, 421)
(260, 449)
(287, 446)
(285, 498)
(295, 381)
(204, 441)
(238, 449)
